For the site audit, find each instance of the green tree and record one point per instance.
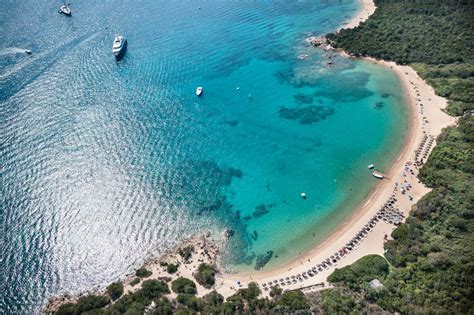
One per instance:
(143, 273)
(115, 290)
(183, 285)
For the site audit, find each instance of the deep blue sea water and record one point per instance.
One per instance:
(105, 163)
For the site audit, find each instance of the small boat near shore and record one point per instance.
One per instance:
(378, 175)
(199, 91)
(371, 166)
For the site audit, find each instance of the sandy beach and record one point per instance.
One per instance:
(368, 8)
(426, 121)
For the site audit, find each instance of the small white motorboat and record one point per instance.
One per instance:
(303, 195)
(64, 9)
(378, 175)
(199, 91)
(28, 52)
(371, 166)
(119, 45)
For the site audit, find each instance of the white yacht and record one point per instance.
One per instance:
(119, 45)
(64, 9)
(199, 91)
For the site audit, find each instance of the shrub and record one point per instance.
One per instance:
(206, 275)
(67, 309)
(186, 252)
(91, 302)
(115, 290)
(275, 291)
(251, 292)
(183, 285)
(134, 282)
(172, 268)
(154, 288)
(214, 298)
(143, 273)
(195, 303)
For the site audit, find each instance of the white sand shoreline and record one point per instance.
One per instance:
(368, 8)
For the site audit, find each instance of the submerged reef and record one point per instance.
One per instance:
(301, 98)
(307, 115)
(260, 210)
(378, 105)
(330, 86)
(263, 259)
(232, 123)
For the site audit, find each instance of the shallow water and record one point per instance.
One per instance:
(107, 162)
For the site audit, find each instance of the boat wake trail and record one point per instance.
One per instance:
(29, 69)
(12, 51)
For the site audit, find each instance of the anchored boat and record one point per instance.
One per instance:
(199, 91)
(119, 46)
(378, 175)
(64, 9)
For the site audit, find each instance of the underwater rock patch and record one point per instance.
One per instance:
(260, 210)
(344, 87)
(307, 115)
(254, 235)
(303, 98)
(232, 123)
(210, 208)
(378, 105)
(263, 259)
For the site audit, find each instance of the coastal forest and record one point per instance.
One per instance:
(431, 256)
(428, 266)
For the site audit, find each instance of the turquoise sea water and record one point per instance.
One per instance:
(106, 163)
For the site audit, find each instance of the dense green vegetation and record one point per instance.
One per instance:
(430, 32)
(431, 255)
(205, 275)
(453, 81)
(435, 37)
(152, 292)
(84, 304)
(362, 271)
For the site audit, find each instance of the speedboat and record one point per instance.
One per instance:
(199, 91)
(64, 9)
(119, 46)
(371, 166)
(28, 52)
